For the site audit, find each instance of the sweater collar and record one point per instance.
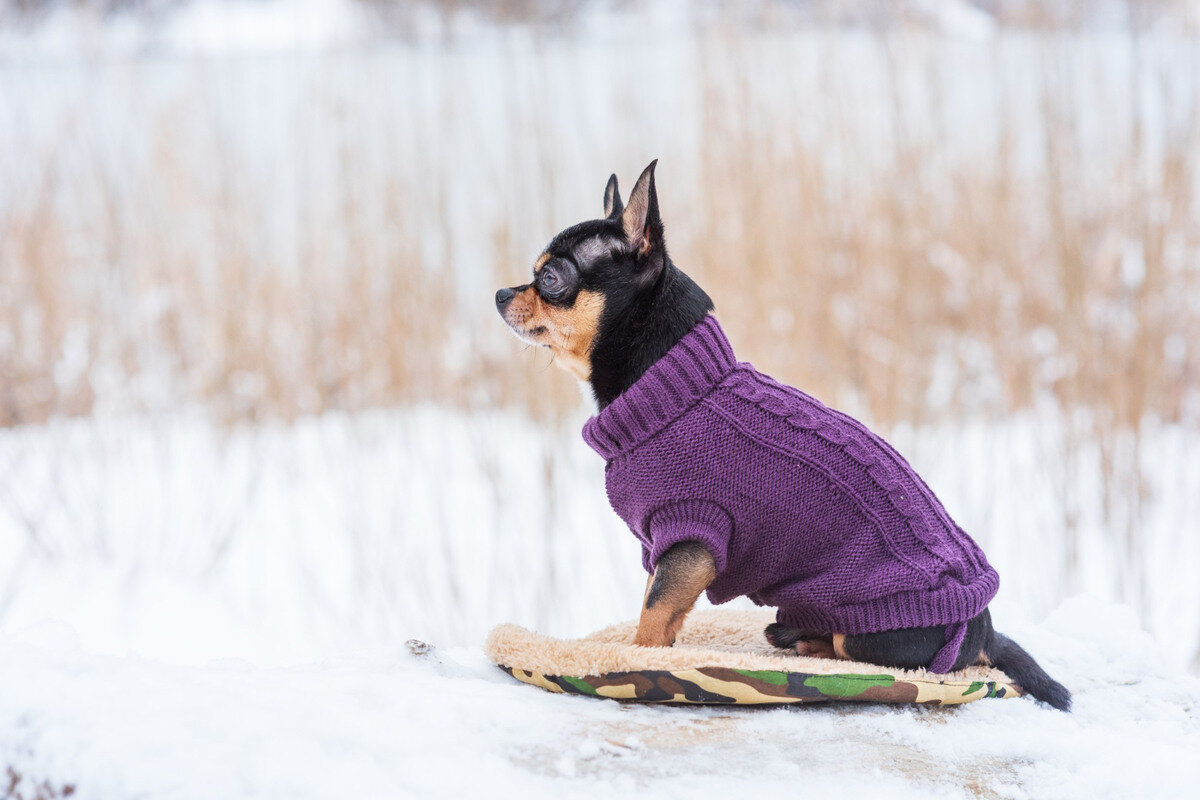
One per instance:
(673, 384)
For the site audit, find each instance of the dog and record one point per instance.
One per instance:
(738, 485)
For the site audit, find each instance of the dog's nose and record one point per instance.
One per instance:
(503, 297)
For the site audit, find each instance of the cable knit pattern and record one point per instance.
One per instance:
(802, 507)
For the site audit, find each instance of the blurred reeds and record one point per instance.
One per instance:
(906, 283)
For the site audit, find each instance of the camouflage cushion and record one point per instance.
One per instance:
(721, 657)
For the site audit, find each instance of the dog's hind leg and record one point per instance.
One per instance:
(804, 643)
(917, 648)
(682, 573)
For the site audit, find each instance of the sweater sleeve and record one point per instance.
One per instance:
(688, 521)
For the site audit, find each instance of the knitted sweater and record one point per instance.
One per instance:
(802, 507)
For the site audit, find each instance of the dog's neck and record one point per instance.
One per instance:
(631, 341)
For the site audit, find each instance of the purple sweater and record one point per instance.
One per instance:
(801, 506)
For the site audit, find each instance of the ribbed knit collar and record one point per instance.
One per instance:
(673, 384)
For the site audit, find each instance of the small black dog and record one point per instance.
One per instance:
(607, 300)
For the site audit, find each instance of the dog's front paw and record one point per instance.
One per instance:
(657, 639)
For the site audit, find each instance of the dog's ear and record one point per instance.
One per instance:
(612, 199)
(643, 227)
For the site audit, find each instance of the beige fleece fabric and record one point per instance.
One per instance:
(710, 638)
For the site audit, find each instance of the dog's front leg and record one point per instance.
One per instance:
(682, 573)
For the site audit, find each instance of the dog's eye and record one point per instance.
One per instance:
(550, 280)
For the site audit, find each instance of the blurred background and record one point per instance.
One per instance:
(255, 401)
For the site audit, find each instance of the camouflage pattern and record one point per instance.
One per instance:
(726, 686)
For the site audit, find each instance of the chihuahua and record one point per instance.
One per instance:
(607, 300)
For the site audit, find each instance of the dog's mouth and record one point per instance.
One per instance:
(530, 335)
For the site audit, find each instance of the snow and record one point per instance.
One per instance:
(177, 539)
(390, 723)
(212, 27)
(192, 611)
(180, 540)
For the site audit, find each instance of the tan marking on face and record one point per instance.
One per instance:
(568, 332)
(541, 262)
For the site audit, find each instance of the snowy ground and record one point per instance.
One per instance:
(192, 612)
(446, 723)
(176, 539)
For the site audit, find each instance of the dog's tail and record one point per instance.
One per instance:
(1007, 655)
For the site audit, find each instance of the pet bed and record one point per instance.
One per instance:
(721, 658)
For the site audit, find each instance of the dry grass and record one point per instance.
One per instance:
(1018, 291)
(220, 326)
(908, 287)
(17, 787)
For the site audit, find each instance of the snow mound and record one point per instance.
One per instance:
(432, 723)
